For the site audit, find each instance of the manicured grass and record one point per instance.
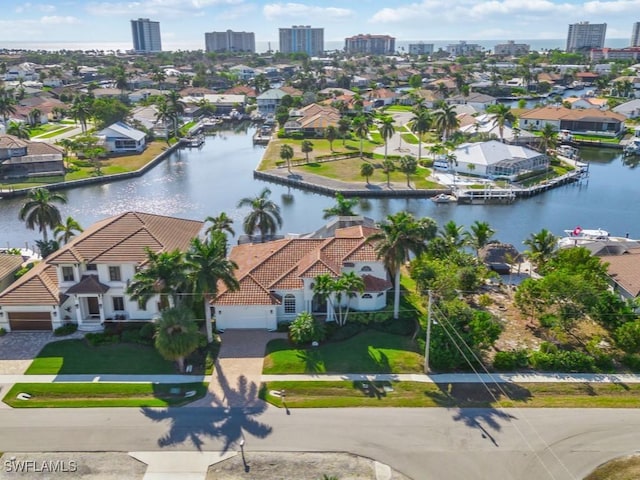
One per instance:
(398, 108)
(78, 357)
(56, 132)
(409, 138)
(597, 138)
(625, 468)
(75, 395)
(368, 352)
(318, 394)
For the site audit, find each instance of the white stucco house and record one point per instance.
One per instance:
(85, 281)
(277, 278)
(122, 138)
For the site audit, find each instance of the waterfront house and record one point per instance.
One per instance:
(243, 72)
(277, 277)
(121, 138)
(25, 159)
(269, 101)
(630, 109)
(494, 159)
(85, 281)
(587, 102)
(312, 119)
(623, 268)
(9, 265)
(223, 103)
(479, 101)
(584, 121)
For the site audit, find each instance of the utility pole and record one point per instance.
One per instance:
(428, 339)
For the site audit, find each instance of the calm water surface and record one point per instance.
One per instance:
(197, 183)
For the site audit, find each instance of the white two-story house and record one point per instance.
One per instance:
(85, 282)
(277, 278)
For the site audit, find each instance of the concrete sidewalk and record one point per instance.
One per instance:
(10, 379)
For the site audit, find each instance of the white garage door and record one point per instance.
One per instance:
(245, 318)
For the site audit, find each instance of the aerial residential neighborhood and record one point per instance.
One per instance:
(267, 240)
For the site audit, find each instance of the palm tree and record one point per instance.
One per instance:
(307, 147)
(81, 111)
(446, 120)
(286, 154)
(331, 133)
(34, 116)
(548, 137)
(67, 230)
(453, 235)
(408, 166)
(264, 215)
(366, 170)
(347, 284)
(542, 247)
(342, 208)
(400, 236)
(420, 124)
(387, 129)
(164, 274)
(208, 264)
(361, 129)
(221, 223)
(176, 335)
(388, 166)
(479, 235)
(19, 129)
(39, 210)
(502, 115)
(7, 104)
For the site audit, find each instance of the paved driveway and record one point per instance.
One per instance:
(17, 349)
(236, 378)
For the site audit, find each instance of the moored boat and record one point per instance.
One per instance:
(443, 198)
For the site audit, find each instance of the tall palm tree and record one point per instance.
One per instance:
(19, 129)
(420, 124)
(286, 154)
(81, 111)
(453, 235)
(176, 335)
(342, 208)
(221, 223)
(264, 215)
(307, 147)
(67, 230)
(208, 265)
(387, 129)
(34, 117)
(479, 235)
(39, 210)
(344, 126)
(502, 115)
(388, 166)
(446, 120)
(400, 236)
(164, 274)
(7, 104)
(361, 129)
(408, 166)
(331, 133)
(548, 137)
(366, 170)
(542, 247)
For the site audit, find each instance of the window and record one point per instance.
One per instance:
(366, 268)
(114, 274)
(289, 303)
(118, 303)
(92, 267)
(67, 274)
(367, 295)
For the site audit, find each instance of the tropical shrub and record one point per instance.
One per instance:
(306, 329)
(627, 337)
(100, 338)
(67, 329)
(563, 361)
(3, 331)
(511, 360)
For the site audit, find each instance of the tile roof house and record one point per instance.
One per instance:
(25, 159)
(624, 272)
(575, 121)
(121, 138)
(85, 281)
(312, 119)
(9, 265)
(479, 101)
(269, 100)
(276, 278)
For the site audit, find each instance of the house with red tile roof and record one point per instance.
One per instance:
(277, 278)
(587, 121)
(85, 281)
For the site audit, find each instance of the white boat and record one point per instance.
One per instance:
(443, 198)
(632, 148)
(583, 236)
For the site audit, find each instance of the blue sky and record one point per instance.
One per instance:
(183, 22)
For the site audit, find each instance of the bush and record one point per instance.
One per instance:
(548, 347)
(366, 318)
(66, 329)
(632, 361)
(337, 333)
(627, 336)
(305, 329)
(96, 339)
(563, 361)
(402, 326)
(548, 320)
(148, 331)
(510, 361)
(3, 331)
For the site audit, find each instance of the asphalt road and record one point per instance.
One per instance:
(423, 444)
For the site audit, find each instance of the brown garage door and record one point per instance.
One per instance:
(29, 321)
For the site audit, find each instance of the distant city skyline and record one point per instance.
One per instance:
(184, 22)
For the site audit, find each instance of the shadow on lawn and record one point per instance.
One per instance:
(322, 361)
(225, 419)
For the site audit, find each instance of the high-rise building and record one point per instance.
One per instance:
(370, 44)
(146, 35)
(302, 38)
(230, 41)
(463, 48)
(635, 35)
(584, 36)
(420, 48)
(511, 49)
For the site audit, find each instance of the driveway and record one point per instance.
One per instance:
(17, 349)
(237, 374)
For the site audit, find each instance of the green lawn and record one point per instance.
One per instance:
(75, 395)
(368, 352)
(56, 132)
(78, 357)
(318, 394)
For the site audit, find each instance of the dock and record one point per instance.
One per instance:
(192, 142)
(485, 195)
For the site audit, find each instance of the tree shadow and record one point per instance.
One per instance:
(313, 361)
(226, 419)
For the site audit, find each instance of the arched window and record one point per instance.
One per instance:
(289, 303)
(367, 295)
(366, 268)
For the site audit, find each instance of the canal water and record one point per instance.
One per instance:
(200, 182)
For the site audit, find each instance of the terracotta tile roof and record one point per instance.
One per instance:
(9, 264)
(362, 253)
(88, 284)
(625, 270)
(249, 293)
(294, 92)
(375, 284)
(562, 113)
(39, 286)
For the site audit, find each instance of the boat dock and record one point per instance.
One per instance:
(485, 195)
(262, 135)
(192, 142)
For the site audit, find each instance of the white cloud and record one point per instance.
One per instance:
(47, 8)
(169, 8)
(59, 20)
(276, 11)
